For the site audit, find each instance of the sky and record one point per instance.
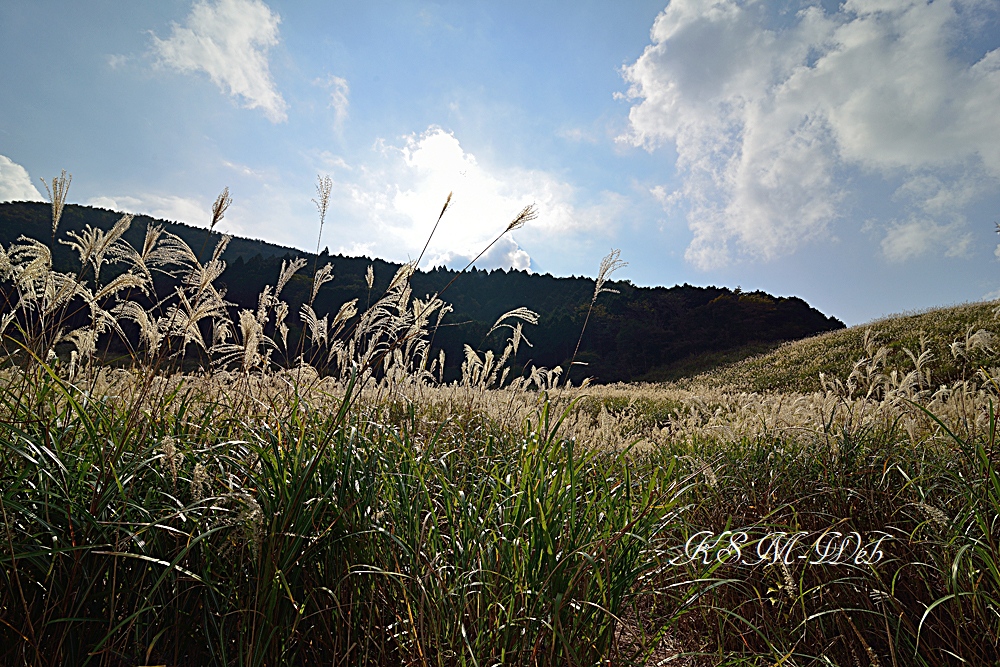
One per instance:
(847, 153)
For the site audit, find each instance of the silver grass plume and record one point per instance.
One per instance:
(161, 249)
(517, 337)
(183, 317)
(149, 331)
(6, 320)
(934, 514)
(346, 312)
(150, 240)
(324, 186)
(253, 336)
(32, 259)
(317, 327)
(57, 196)
(486, 372)
(974, 340)
(222, 203)
(288, 270)
(609, 265)
(521, 313)
(200, 278)
(248, 355)
(7, 267)
(527, 214)
(280, 313)
(422, 311)
(55, 290)
(220, 248)
(269, 299)
(402, 276)
(94, 244)
(171, 458)
(85, 341)
(141, 259)
(321, 277)
(222, 330)
(264, 302)
(125, 281)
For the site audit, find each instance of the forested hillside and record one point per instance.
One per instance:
(641, 333)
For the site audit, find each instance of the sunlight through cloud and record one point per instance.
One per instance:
(426, 168)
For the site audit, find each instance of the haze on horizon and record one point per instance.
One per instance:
(844, 152)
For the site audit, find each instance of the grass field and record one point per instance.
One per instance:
(947, 334)
(349, 509)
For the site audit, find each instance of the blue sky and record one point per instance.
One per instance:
(847, 153)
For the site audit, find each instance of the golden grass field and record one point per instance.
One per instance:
(835, 501)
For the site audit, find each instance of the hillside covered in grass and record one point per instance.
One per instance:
(948, 344)
(354, 508)
(639, 333)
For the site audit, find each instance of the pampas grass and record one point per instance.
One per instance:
(338, 504)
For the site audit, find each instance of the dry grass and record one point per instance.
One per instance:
(348, 508)
(796, 366)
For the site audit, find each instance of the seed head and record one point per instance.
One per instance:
(57, 195)
(527, 214)
(222, 202)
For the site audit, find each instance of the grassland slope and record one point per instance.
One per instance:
(949, 344)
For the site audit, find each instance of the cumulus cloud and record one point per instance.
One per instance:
(15, 184)
(768, 114)
(399, 200)
(229, 41)
(504, 253)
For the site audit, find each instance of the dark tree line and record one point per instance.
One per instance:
(641, 333)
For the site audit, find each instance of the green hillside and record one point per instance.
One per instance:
(947, 334)
(640, 333)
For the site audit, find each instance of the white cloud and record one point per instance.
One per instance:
(394, 205)
(766, 118)
(229, 40)
(578, 135)
(339, 99)
(917, 237)
(104, 202)
(15, 184)
(117, 60)
(942, 198)
(331, 161)
(245, 170)
(504, 253)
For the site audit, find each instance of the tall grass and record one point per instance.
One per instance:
(343, 507)
(185, 534)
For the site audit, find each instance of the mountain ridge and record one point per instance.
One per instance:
(641, 333)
